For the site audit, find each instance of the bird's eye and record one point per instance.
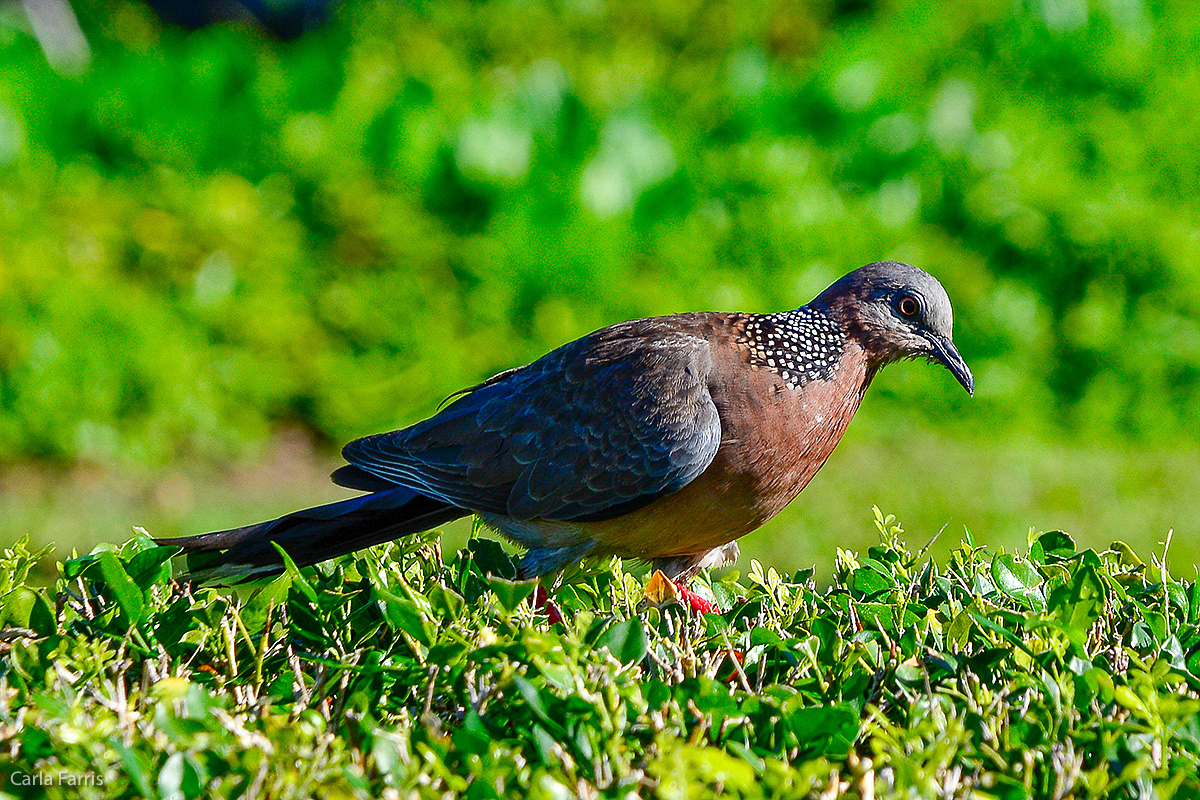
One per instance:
(908, 306)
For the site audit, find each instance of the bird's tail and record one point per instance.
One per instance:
(314, 534)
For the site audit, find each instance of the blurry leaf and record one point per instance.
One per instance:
(179, 777)
(386, 754)
(171, 688)
(1008, 788)
(533, 698)
(36, 744)
(136, 766)
(473, 737)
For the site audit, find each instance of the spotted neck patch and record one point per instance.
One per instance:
(801, 345)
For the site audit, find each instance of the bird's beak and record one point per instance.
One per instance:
(946, 353)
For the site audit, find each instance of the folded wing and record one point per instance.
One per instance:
(595, 429)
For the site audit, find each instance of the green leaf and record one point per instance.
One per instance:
(447, 600)
(17, 607)
(1018, 580)
(274, 592)
(42, 619)
(1051, 547)
(473, 737)
(403, 615)
(829, 638)
(492, 558)
(533, 698)
(625, 640)
(1010, 636)
(512, 594)
(180, 777)
(74, 568)
(876, 616)
(299, 580)
(128, 595)
(910, 674)
(1125, 554)
(137, 767)
(1077, 605)
(170, 777)
(148, 567)
(868, 582)
(823, 730)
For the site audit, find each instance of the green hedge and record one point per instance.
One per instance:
(205, 236)
(1054, 673)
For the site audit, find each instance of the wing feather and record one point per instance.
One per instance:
(597, 428)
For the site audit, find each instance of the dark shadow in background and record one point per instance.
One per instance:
(285, 19)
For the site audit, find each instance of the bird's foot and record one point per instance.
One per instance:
(698, 603)
(661, 589)
(542, 602)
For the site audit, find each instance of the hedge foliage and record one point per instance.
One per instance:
(1052, 673)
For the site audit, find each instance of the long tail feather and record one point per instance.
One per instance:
(316, 534)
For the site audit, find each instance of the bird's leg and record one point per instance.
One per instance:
(661, 589)
(680, 569)
(541, 602)
(699, 604)
(541, 598)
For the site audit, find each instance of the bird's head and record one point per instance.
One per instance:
(898, 311)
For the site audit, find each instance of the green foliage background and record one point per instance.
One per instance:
(209, 238)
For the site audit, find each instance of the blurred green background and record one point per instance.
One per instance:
(223, 255)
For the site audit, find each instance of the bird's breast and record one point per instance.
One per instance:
(774, 438)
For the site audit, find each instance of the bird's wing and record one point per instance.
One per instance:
(595, 429)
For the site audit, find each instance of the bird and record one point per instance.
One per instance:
(663, 439)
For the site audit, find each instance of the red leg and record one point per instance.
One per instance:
(661, 589)
(697, 603)
(541, 601)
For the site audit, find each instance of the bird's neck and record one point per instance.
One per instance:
(802, 345)
(872, 345)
